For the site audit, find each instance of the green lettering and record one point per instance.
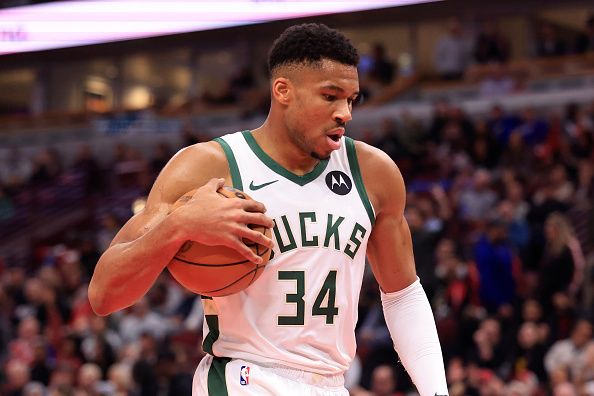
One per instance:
(332, 231)
(356, 242)
(282, 247)
(304, 241)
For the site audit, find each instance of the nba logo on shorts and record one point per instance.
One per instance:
(244, 375)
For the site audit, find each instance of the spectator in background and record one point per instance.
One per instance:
(99, 335)
(491, 46)
(501, 124)
(527, 356)
(17, 376)
(451, 54)
(585, 374)
(498, 82)
(564, 389)
(120, 376)
(142, 319)
(47, 166)
(494, 260)
(570, 353)
(548, 44)
(585, 41)
(517, 155)
(457, 378)
(28, 334)
(15, 170)
(86, 163)
(383, 382)
(34, 389)
(477, 200)
(557, 266)
(424, 242)
(533, 128)
(89, 378)
(484, 150)
(380, 72)
(374, 338)
(518, 229)
(515, 195)
(382, 69)
(389, 140)
(439, 119)
(488, 351)
(41, 368)
(110, 226)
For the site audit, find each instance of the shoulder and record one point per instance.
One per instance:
(190, 168)
(382, 179)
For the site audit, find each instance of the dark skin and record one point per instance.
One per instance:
(311, 104)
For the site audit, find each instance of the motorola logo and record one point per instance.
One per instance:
(339, 183)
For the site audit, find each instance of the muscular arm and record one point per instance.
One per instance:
(390, 244)
(406, 308)
(148, 241)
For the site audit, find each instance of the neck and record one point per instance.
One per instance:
(274, 138)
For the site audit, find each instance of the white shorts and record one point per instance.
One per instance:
(233, 377)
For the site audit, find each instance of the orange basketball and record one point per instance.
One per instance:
(217, 270)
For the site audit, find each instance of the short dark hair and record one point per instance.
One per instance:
(310, 43)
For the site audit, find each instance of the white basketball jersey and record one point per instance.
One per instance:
(302, 311)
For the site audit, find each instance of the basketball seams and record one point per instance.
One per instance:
(210, 265)
(254, 271)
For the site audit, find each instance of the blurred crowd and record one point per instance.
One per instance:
(476, 52)
(462, 47)
(501, 210)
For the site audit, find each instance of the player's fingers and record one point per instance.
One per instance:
(249, 254)
(253, 206)
(257, 219)
(255, 236)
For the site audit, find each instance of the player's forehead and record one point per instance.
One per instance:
(333, 75)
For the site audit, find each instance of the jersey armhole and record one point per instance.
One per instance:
(233, 168)
(356, 172)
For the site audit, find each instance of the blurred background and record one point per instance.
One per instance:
(487, 108)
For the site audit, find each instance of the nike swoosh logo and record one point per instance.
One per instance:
(254, 187)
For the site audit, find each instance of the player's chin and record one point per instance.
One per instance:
(322, 156)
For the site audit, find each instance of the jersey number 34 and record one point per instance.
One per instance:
(328, 288)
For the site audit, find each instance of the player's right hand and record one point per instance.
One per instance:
(212, 219)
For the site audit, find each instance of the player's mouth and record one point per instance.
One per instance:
(333, 138)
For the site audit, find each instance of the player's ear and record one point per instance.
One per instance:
(281, 90)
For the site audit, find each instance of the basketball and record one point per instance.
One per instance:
(217, 271)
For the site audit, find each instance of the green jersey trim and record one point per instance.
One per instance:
(212, 321)
(356, 172)
(301, 180)
(233, 168)
(217, 384)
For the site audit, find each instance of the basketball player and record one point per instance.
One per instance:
(330, 201)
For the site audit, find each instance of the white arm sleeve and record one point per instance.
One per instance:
(412, 327)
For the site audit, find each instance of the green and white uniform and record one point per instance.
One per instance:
(301, 313)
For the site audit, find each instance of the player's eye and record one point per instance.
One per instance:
(357, 100)
(329, 98)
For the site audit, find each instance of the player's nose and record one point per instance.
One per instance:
(343, 114)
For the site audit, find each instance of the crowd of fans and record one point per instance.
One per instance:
(459, 48)
(501, 212)
(500, 207)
